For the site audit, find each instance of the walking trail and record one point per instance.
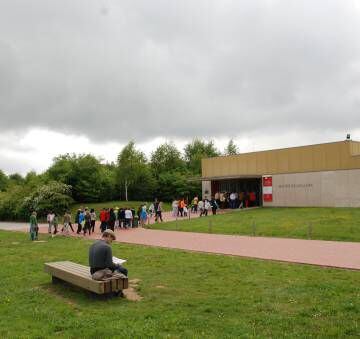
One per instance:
(315, 252)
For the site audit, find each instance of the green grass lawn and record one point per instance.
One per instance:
(185, 295)
(326, 223)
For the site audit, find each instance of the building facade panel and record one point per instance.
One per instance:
(317, 189)
(328, 188)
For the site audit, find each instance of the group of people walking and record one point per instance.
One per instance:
(110, 218)
(242, 199)
(124, 217)
(115, 218)
(180, 207)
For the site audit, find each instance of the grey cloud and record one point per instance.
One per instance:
(141, 69)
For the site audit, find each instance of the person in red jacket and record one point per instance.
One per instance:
(107, 213)
(103, 220)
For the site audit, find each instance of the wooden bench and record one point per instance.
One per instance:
(79, 275)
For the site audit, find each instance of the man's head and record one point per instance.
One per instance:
(108, 236)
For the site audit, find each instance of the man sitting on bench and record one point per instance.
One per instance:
(100, 257)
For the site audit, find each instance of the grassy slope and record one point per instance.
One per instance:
(200, 296)
(327, 223)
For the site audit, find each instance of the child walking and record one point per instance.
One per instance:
(34, 228)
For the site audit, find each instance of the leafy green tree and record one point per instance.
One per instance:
(34, 180)
(54, 196)
(197, 150)
(133, 174)
(11, 202)
(19, 200)
(4, 181)
(63, 168)
(175, 185)
(16, 179)
(84, 173)
(108, 183)
(144, 187)
(166, 158)
(231, 148)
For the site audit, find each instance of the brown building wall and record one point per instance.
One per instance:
(342, 155)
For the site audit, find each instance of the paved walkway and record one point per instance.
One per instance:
(314, 252)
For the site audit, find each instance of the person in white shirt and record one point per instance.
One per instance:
(50, 219)
(128, 218)
(207, 207)
(151, 210)
(175, 205)
(232, 200)
(185, 211)
(201, 207)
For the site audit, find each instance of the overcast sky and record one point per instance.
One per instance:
(88, 76)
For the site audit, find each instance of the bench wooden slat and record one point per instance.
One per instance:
(66, 264)
(81, 270)
(85, 274)
(71, 264)
(79, 275)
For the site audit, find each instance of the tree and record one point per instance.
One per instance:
(16, 178)
(63, 168)
(145, 185)
(108, 182)
(84, 173)
(197, 150)
(175, 185)
(4, 181)
(54, 196)
(166, 158)
(34, 180)
(9, 202)
(133, 173)
(231, 148)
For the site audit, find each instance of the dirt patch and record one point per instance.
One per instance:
(160, 286)
(55, 293)
(134, 281)
(131, 293)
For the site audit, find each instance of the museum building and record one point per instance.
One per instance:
(326, 175)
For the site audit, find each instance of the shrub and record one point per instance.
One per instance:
(20, 200)
(53, 196)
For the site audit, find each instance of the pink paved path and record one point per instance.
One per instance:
(314, 252)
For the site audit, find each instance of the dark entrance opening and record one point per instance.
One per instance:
(247, 190)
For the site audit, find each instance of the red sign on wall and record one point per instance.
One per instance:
(267, 189)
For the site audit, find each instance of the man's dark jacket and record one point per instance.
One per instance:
(100, 257)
